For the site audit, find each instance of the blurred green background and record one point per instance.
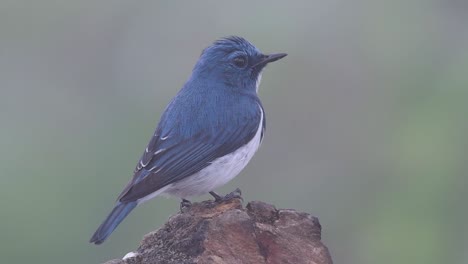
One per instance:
(366, 120)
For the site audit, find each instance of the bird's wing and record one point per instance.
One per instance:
(169, 159)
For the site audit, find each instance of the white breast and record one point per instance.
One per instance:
(221, 170)
(257, 83)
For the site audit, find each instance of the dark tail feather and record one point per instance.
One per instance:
(120, 211)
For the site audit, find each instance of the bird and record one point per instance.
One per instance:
(206, 135)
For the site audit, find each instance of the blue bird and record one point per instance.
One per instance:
(206, 135)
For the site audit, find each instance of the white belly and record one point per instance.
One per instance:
(221, 170)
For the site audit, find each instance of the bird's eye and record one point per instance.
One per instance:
(240, 61)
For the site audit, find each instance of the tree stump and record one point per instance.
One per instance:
(225, 233)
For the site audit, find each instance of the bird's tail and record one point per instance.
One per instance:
(120, 211)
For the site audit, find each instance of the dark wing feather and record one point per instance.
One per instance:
(167, 161)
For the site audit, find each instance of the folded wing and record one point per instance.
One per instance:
(170, 158)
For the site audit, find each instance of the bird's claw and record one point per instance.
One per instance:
(236, 194)
(184, 205)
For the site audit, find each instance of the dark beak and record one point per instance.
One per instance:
(270, 58)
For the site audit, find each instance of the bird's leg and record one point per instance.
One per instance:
(184, 204)
(216, 196)
(232, 195)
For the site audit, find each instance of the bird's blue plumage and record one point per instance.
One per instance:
(214, 116)
(120, 211)
(188, 149)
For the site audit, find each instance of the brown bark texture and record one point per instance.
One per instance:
(225, 233)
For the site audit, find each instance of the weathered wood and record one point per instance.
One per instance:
(213, 233)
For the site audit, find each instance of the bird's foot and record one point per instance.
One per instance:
(237, 193)
(185, 205)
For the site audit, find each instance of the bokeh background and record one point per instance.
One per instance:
(366, 120)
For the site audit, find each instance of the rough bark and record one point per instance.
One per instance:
(213, 233)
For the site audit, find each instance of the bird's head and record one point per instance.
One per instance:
(235, 62)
